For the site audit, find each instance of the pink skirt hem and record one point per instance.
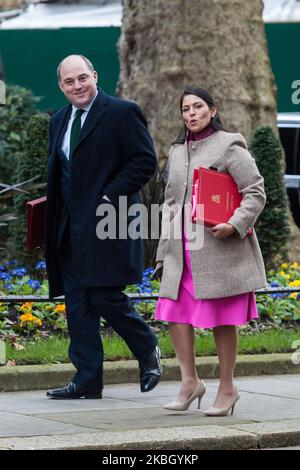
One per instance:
(205, 313)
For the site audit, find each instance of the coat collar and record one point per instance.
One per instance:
(209, 155)
(94, 116)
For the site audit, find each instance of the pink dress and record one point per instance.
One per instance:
(201, 313)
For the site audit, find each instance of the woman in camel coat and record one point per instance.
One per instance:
(211, 284)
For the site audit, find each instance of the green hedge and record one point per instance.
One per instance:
(20, 106)
(32, 164)
(272, 227)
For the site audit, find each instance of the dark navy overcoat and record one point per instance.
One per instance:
(114, 156)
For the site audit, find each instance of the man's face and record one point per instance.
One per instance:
(77, 82)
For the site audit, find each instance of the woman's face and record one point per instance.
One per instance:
(196, 113)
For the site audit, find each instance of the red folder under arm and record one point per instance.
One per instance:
(219, 194)
(35, 211)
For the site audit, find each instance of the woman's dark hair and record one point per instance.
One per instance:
(215, 122)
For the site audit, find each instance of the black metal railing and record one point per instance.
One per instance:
(133, 296)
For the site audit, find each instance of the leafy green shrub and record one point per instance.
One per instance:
(272, 226)
(20, 105)
(32, 164)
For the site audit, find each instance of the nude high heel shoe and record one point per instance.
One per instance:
(184, 405)
(212, 411)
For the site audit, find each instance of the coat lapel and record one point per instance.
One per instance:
(94, 116)
(59, 130)
(63, 127)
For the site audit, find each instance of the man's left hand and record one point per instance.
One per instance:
(222, 231)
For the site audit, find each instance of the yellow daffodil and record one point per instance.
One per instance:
(60, 308)
(26, 317)
(282, 273)
(26, 306)
(29, 318)
(294, 295)
(295, 265)
(295, 283)
(284, 266)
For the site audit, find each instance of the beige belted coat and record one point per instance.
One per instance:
(220, 268)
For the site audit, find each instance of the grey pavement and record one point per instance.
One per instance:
(266, 416)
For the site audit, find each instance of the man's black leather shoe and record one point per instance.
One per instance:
(72, 391)
(150, 371)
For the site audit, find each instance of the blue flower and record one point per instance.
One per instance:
(274, 284)
(2, 268)
(148, 270)
(34, 284)
(40, 265)
(9, 286)
(19, 272)
(4, 277)
(13, 262)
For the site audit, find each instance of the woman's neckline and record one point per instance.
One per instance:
(203, 134)
(202, 138)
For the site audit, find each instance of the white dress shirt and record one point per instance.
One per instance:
(66, 140)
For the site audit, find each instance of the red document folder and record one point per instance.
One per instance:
(35, 211)
(219, 194)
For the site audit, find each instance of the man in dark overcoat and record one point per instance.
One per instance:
(100, 151)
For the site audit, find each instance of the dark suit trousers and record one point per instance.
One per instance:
(84, 307)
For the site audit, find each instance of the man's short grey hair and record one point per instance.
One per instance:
(85, 59)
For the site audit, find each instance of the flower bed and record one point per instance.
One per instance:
(32, 320)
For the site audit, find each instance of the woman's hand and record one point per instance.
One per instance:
(222, 231)
(157, 273)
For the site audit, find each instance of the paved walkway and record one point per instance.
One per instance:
(267, 415)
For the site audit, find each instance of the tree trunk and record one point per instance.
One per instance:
(219, 45)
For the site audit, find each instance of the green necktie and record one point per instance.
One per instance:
(75, 130)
